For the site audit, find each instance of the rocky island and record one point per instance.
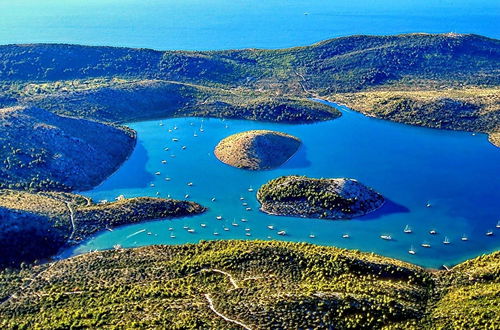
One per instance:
(257, 150)
(300, 196)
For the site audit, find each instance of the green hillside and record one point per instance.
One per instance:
(34, 226)
(238, 284)
(41, 150)
(122, 84)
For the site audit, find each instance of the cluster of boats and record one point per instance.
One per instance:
(446, 240)
(407, 229)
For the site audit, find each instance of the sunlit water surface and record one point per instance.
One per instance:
(455, 172)
(224, 24)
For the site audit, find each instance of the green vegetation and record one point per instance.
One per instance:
(317, 198)
(445, 81)
(341, 64)
(259, 284)
(57, 132)
(43, 151)
(257, 150)
(120, 84)
(467, 109)
(120, 100)
(35, 226)
(470, 295)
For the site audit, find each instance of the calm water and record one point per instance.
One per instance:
(457, 173)
(222, 24)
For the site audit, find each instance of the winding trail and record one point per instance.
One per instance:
(26, 286)
(231, 279)
(211, 306)
(31, 280)
(211, 303)
(302, 84)
(72, 217)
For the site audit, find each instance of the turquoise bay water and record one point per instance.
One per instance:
(223, 24)
(456, 172)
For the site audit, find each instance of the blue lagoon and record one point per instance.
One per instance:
(433, 179)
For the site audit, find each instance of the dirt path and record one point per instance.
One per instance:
(231, 279)
(211, 306)
(72, 217)
(26, 286)
(302, 84)
(211, 303)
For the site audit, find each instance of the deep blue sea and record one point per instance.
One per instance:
(223, 24)
(456, 173)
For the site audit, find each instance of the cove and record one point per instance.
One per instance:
(455, 172)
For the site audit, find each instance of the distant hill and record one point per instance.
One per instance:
(338, 65)
(42, 150)
(176, 83)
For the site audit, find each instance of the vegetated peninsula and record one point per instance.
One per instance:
(300, 196)
(248, 284)
(257, 150)
(35, 226)
(45, 151)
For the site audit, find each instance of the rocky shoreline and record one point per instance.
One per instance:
(318, 198)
